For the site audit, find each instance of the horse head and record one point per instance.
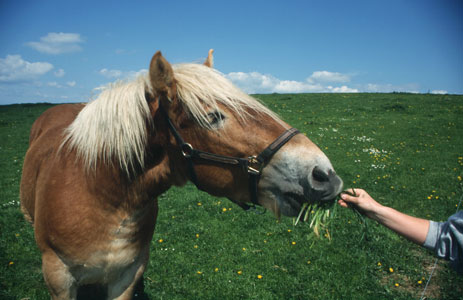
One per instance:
(212, 130)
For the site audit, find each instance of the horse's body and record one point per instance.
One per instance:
(93, 172)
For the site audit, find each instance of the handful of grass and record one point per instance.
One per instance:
(319, 215)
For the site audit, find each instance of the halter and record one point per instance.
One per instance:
(253, 165)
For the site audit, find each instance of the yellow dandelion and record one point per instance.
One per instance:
(379, 264)
(17, 234)
(11, 263)
(216, 270)
(224, 209)
(161, 240)
(396, 285)
(239, 272)
(199, 204)
(197, 235)
(391, 270)
(459, 178)
(195, 246)
(199, 272)
(420, 282)
(244, 249)
(293, 243)
(259, 276)
(289, 230)
(309, 262)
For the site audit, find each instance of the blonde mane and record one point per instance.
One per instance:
(113, 127)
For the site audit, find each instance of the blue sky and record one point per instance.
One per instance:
(62, 51)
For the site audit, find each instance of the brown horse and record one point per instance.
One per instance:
(93, 172)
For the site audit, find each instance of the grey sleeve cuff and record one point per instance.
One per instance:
(432, 236)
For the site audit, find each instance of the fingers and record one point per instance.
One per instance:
(343, 203)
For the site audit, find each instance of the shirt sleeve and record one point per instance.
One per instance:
(446, 240)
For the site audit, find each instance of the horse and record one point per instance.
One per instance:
(93, 172)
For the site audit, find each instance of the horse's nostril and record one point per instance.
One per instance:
(319, 175)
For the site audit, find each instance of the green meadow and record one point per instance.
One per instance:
(406, 150)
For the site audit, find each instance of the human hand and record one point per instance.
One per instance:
(361, 200)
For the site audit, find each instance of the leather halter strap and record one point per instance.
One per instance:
(252, 165)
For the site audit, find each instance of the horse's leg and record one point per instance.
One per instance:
(59, 280)
(123, 288)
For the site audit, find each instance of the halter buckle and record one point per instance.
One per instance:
(254, 165)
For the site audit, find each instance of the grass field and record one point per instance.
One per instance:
(406, 150)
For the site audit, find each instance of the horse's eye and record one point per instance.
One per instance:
(216, 118)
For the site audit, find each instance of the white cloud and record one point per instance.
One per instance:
(118, 74)
(58, 43)
(60, 73)
(440, 92)
(71, 83)
(342, 89)
(14, 68)
(326, 76)
(255, 82)
(111, 73)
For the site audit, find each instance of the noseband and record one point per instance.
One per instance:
(253, 165)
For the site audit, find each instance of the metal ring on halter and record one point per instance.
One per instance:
(187, 150)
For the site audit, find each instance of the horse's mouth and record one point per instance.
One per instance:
(293, 203)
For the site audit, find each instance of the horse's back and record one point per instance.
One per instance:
(44, 140)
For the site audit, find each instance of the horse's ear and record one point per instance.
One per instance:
(162, 76)
(210, 59)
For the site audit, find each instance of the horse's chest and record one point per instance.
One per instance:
(122, 253)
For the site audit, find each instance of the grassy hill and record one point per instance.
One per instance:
(406, 150)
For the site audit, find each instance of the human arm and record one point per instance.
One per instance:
(412, 228)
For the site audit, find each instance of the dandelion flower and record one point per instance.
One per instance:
(195, 246)
(11, 263)
(420, 282)
(216, 270)
(397, 285)
(161, 240)
(224, 209)
(379, 264)
(259, 276)
(391, 270)
(293, 243)
(199, 272)
(199, 204)
(197, 235)
(239, 272)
